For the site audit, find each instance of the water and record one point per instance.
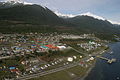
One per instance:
(105, 71)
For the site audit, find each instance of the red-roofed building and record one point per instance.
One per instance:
(14, 70)
(51, 46)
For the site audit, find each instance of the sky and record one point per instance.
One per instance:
(109, 9)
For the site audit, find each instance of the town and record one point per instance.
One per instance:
(30, 55)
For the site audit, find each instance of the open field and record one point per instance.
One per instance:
(68, 74)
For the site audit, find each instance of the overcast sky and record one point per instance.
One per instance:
(110, 9)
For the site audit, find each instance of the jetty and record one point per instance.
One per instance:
(108, 60)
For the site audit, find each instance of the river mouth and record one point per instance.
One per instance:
(105, 71)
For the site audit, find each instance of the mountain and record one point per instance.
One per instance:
(8, 4)
(102, 28)
(85, 14)
(90, 23)
(29, 13)
(18, 17)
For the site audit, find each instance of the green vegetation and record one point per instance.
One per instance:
(77, 71)
(25, 28)
(12, 62)
(5, 71)
(35, 18)
(4, 74)
(51, 55)
(73, 43)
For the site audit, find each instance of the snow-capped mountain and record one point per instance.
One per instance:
(114, 22)
(36, 17)
(11, 3)
(64, 15)
(85, 14)
(92, 15)
(17, 1)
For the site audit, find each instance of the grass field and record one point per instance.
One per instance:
(68, 74)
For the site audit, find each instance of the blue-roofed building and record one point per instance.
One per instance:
(11, 67)
(44, 47)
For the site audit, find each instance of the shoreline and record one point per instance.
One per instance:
(87, 72)
(90, 69)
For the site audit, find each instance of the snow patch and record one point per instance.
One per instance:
(17, 1)
(26, 3)
(85, 14)
(64, 15)
(92, 15)
(114, 22)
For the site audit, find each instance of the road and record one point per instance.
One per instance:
(48, 72)
(79, 51)
(56, 69)
(52, 71)
(5, 57)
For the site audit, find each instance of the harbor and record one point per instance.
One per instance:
(108, 60)
(104, 71)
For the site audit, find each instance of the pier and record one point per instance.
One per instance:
(108, 60)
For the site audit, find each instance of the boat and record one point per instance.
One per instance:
(111, 52)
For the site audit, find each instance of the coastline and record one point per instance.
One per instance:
(90, 69)
(87, 72)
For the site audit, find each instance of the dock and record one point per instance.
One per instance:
(108, 60)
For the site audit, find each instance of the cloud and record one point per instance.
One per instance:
(71, 4)
(107, 8)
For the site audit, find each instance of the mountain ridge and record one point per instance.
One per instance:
(34, 17)
(85, 14)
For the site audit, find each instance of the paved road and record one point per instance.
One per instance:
(53, 70)
(79, 51)
(5, 57)
(48, 72)
(57, 69)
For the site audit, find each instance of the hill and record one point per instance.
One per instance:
(32, 18)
